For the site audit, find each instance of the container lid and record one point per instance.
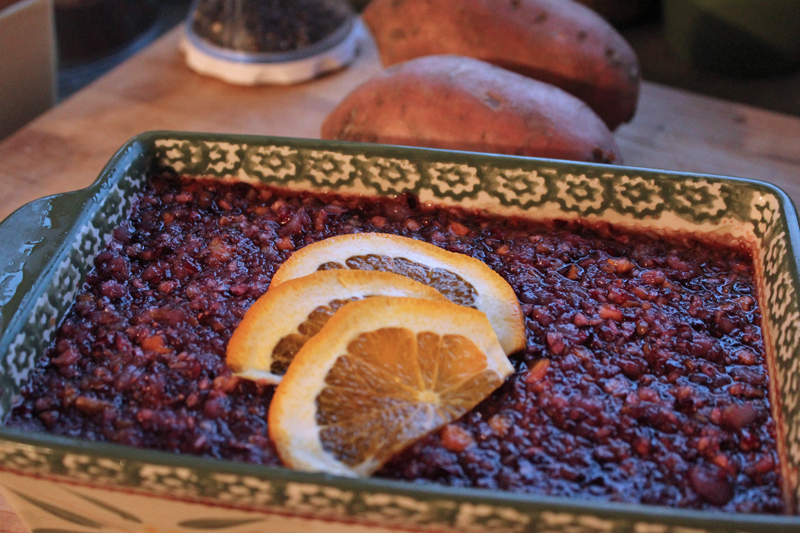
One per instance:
(248, 42)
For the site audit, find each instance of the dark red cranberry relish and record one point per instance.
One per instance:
(644, 379)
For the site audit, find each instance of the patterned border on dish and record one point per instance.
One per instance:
(715, 207)
(66, 280)
(721, 209)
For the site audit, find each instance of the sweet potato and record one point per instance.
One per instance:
(560, 42)
(461, 103)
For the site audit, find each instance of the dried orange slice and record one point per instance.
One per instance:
(382, 373)
(279, 323)
(463, 279)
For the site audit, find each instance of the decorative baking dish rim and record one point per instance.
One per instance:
(58, 242)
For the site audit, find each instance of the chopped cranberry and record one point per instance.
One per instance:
(643, 380)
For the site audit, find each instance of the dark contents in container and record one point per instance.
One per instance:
(644, 379)
(269, 26)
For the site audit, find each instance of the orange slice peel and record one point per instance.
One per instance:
(279, 323)
(379, 375)
(462, 279)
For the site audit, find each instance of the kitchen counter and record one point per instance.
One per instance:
(66, 148)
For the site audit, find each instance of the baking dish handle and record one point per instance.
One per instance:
(29, 238)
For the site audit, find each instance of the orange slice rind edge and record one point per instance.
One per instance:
(274, 318)
(295, 412)
(495, 297)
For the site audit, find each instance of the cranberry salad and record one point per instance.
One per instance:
(643, 379)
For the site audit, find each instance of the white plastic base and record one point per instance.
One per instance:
(277, 73)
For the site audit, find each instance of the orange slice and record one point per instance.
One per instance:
(279, 323)
(463, 279)
(382, 373)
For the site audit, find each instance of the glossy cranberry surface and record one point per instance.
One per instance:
(644, 378)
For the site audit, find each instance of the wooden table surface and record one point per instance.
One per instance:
(66, 148)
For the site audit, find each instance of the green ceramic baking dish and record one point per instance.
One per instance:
(60, 484)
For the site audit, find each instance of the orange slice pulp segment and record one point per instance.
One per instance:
(379, 375)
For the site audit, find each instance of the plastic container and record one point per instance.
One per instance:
(251, 42)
